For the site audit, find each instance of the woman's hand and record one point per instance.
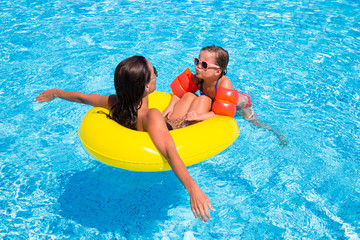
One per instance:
(46, 96)
(200, 204)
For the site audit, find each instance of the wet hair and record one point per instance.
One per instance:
(130, 78)
(221, 57)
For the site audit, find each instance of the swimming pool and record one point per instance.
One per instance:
(299, 59)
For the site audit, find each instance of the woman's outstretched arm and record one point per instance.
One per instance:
(72, 96)
(154, 124)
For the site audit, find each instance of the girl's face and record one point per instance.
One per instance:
(152, 84)
(207, 59)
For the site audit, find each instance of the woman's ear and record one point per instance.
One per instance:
(147, 88)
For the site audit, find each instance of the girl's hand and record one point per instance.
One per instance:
(191, 116)
(194, 116)
(46, 96)
(200, 204)
(167, 111)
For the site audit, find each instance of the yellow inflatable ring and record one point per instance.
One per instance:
(115, 145)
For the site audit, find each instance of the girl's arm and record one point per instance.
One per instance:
(170, 108)
(225, 82)
(154, 124)
(194, 116)
(89, 99)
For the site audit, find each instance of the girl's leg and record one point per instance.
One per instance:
(250, 115)
(182, 106)
(201, 104)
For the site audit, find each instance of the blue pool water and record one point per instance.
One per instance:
(299, 59)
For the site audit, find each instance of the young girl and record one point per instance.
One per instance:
(217, 94)
(135, 79)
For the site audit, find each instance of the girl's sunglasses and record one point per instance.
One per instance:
(205, 65)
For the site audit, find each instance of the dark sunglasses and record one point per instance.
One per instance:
(205, 65)
(156, 73)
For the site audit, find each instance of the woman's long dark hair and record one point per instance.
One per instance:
(130, 79)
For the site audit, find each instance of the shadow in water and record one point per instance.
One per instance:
(111, 199)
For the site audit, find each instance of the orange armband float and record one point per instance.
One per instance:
(183, 83)
(225, 101)
(247, 101)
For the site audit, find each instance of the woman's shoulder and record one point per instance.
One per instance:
(150, 117)
(153, 113)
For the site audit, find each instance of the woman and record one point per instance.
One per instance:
(135, 79)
